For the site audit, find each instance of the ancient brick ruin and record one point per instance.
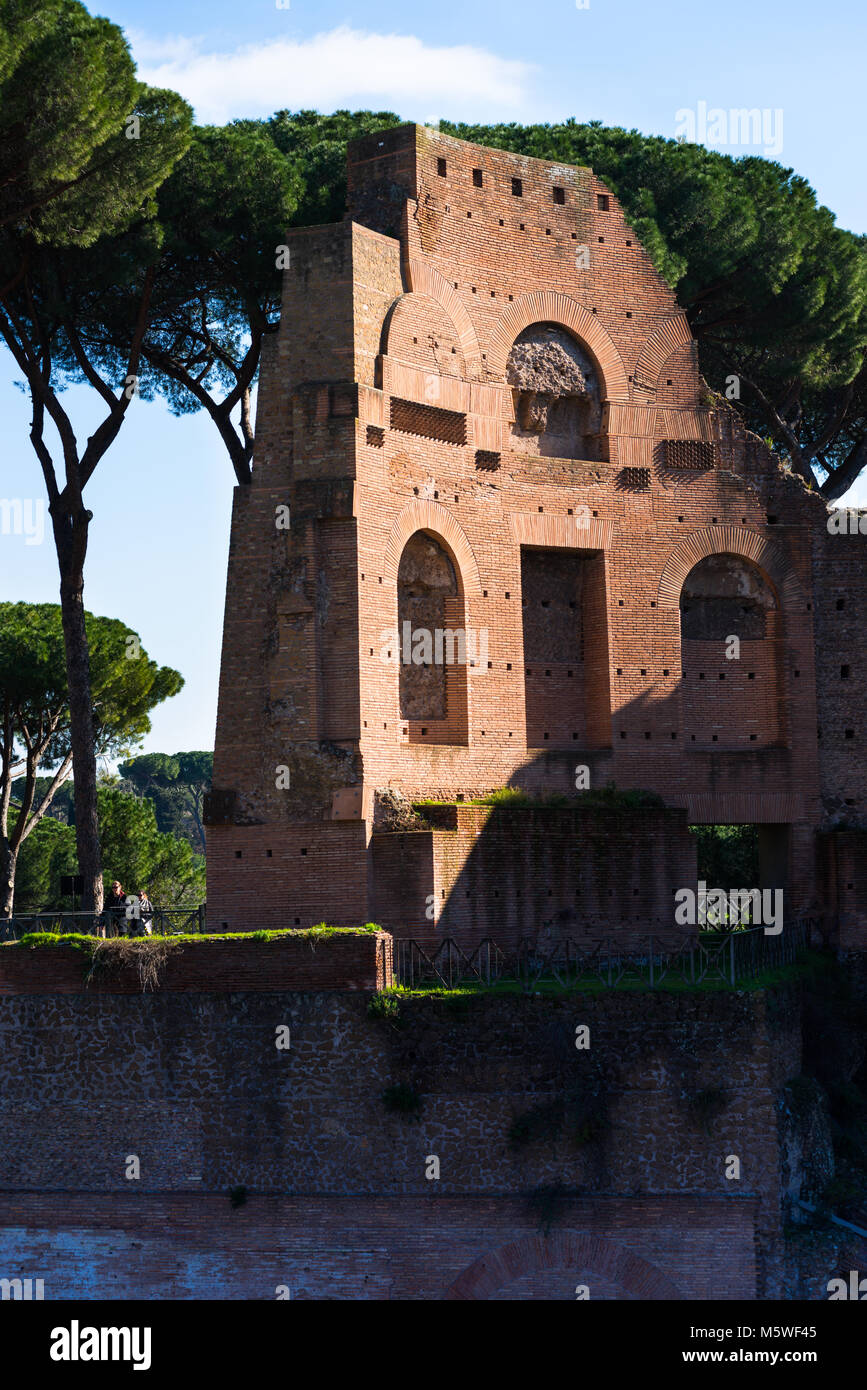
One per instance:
(481, 423)
(484, 414)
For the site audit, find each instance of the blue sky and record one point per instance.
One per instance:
(161, 498)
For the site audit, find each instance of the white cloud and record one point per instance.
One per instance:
(171, 49)
(343, 67)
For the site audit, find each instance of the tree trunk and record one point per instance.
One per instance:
(8, 861)
(197, 817)
(71, 547)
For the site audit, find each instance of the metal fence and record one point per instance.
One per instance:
(729, 958)
(166, 921)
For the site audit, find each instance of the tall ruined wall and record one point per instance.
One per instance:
(288, 691)
(840, 565)
(636, 1129)
(477, 320)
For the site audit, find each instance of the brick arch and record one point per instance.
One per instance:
(430, 516)
(428, 316)
(671, 335)
(729, 540)
(544, 306)
(424, 279)
(577, 1252)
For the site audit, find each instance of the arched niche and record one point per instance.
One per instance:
(548, 306)
(731, 655)
(550, 1267)
(425, 282)
(557, 393)
(422, 334)
(434, 647)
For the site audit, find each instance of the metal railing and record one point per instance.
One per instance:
(729, 958)
(166, 921)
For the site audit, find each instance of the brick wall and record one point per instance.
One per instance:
(194, 1086)
(843, 879)
(277, 876)
(546, 873)
(401, 1248)
(840, 563)
(356, 961)
(418, 298)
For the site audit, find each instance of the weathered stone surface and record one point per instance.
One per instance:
(194, 1086)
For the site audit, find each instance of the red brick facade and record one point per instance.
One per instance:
(393, 404)
(505, 874)
(360, 960)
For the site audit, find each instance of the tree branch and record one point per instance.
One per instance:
(841, 478)
(57, 781)
(800, 466)
(238, 453)
(106, 433)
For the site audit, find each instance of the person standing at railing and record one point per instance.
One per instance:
(139, 914)
(115, 910)
(145, 913)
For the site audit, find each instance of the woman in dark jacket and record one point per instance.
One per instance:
(115, 909)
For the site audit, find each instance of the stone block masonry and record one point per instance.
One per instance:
(338, 1201)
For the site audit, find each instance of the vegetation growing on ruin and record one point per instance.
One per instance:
(835, 1060)
(146, 956)
(547, 1204)
(728, 855)
(706, 1104)
(541, 1122)
(610, 797)
(802, 1093)
(670, 984)
(385, 1004)
(575, 1109)
(516, 796)
(82, 942)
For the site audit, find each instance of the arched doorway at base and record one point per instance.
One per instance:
(552, 1267)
